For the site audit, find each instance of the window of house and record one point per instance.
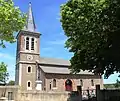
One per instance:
(29, 84)
(10, 96)
(44, 85)
(27, 43)
(81, 82)
(50, 86)
(32, 44)
(92, 83)
(54, 83)
(29, 69)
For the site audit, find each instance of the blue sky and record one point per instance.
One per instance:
(47, 16)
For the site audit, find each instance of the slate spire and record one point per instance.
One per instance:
(30, 25)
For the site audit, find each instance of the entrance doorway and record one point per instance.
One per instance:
(68, 85)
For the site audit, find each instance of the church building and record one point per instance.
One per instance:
(34, 72)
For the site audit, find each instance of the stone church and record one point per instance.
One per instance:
(47, 74)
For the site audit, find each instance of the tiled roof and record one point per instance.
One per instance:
(54, 61)
(52, 65)
(60, 70)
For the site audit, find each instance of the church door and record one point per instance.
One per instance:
(68, 85)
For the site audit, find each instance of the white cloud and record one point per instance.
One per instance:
(7, 56)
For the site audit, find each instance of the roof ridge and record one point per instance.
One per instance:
(54, 58)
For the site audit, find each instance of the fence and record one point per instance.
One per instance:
(88, 93)
(79, 95)
(107, 94)
(99, 94)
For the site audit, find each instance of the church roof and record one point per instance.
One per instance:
(53, 61)
(60, 70)
(57, 66)
(30, 24)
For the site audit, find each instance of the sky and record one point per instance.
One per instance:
(47, 19)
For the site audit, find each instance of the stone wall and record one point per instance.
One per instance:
(42, 96)
(16, 94)
(9, 91)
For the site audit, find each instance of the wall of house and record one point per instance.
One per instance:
(17, 74)
(24, 57)
(42, 78)
(22, 41)
(61, 78)
(23, 60)
(26, 77)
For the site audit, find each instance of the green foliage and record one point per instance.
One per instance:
(3, 73)
(117, 84)
(11, 20)
(109, 85)
(92, 28)
(11, 82)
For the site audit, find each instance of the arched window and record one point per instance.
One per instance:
(32, 44)
(54, 83)
(27, 43)
(29, 85)
(29, 69)
(81, 82)
(92, 83)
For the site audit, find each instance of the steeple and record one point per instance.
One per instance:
(30, 25)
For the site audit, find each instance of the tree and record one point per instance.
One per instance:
(117, 84)
(11, 20)
(109, 86)
(11, 82)
(92, 28)
(3, 76)
(3, 73)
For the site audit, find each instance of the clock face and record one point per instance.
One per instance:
(29, 57)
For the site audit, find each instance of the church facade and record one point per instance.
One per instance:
(36, 72)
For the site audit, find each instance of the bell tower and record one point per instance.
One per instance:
(27, 53)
